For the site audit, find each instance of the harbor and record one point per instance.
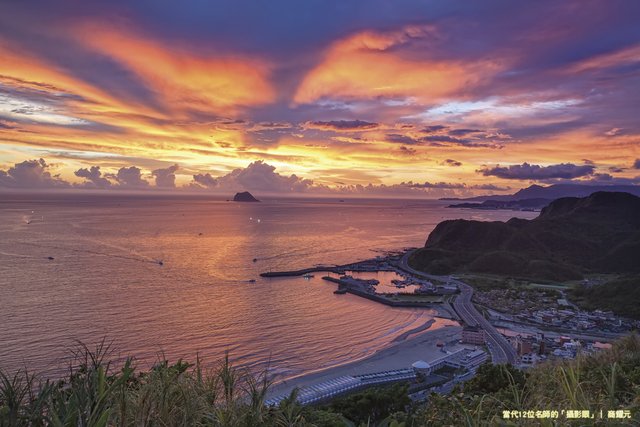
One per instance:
(398, 288)
(416, 356)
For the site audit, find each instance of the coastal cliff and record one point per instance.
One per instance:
(571, 236)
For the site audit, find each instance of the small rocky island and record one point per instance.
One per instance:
(245, 196)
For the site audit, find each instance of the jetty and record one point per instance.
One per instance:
(331, 269)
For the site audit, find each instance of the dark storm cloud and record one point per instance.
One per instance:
(528, 171)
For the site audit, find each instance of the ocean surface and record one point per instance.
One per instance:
(105, 278)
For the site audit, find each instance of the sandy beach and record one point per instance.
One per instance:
(417, 344)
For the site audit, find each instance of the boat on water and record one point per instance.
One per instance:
(255, 259)
(308, 276)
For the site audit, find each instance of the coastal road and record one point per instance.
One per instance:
(500, 349)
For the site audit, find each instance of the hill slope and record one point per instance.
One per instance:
(571, 236)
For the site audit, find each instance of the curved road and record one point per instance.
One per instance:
(500, 349)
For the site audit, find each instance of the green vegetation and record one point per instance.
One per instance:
(488, 282)
(620, 295)
(96, 394)
(372, 406)
(606, 381)
(571, 237)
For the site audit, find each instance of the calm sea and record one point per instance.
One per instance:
(105, 278)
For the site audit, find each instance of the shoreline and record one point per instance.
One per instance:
(416, 344)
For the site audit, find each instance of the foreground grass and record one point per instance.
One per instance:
(95, 393)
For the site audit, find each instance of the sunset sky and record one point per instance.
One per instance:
(370, 97)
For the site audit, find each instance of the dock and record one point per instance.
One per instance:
(348, 287)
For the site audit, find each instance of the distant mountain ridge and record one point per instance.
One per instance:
(514, 205)
(557, 191)
(570, 237)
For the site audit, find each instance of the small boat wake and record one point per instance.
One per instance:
(137, 257)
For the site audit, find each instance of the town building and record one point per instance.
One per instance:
(473, 335)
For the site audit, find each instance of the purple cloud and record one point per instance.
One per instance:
(539, 173)
(342, 125)
(433, 128)
(94, 177)
(402, 139)
(130, 177)
(166, 177)
(31, 174)
(451, 162)
(205, 180)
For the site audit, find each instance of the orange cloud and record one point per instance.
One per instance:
(93, 120)
(184, 80)
(20, 69)
(365, 66)
(627, 55)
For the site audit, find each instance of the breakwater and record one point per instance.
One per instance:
(330, 269)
